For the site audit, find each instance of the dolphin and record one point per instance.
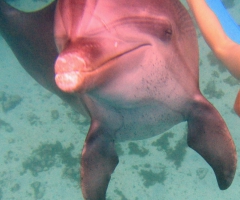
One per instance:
(131, 67)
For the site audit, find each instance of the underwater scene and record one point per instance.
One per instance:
(41, 138)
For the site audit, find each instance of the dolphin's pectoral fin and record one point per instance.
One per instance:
(209, 136)
(98, 162)
(31, 38)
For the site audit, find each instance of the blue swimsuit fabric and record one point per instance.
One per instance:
(230, 27)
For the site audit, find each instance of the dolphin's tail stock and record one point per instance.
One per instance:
(209, 136)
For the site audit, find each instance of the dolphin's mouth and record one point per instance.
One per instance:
(73, 71)
(123, 53)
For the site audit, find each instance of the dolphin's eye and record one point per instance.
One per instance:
(167, 35)
(160, 28)
(168, 31)
(163, 30)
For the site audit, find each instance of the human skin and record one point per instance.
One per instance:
(223, 47)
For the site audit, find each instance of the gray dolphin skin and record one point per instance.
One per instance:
(131, 67)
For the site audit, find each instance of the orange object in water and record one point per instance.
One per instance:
(237, 104)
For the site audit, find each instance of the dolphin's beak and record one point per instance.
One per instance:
(68, 72)
(79, 65)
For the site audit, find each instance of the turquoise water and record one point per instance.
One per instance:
(41, 138)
